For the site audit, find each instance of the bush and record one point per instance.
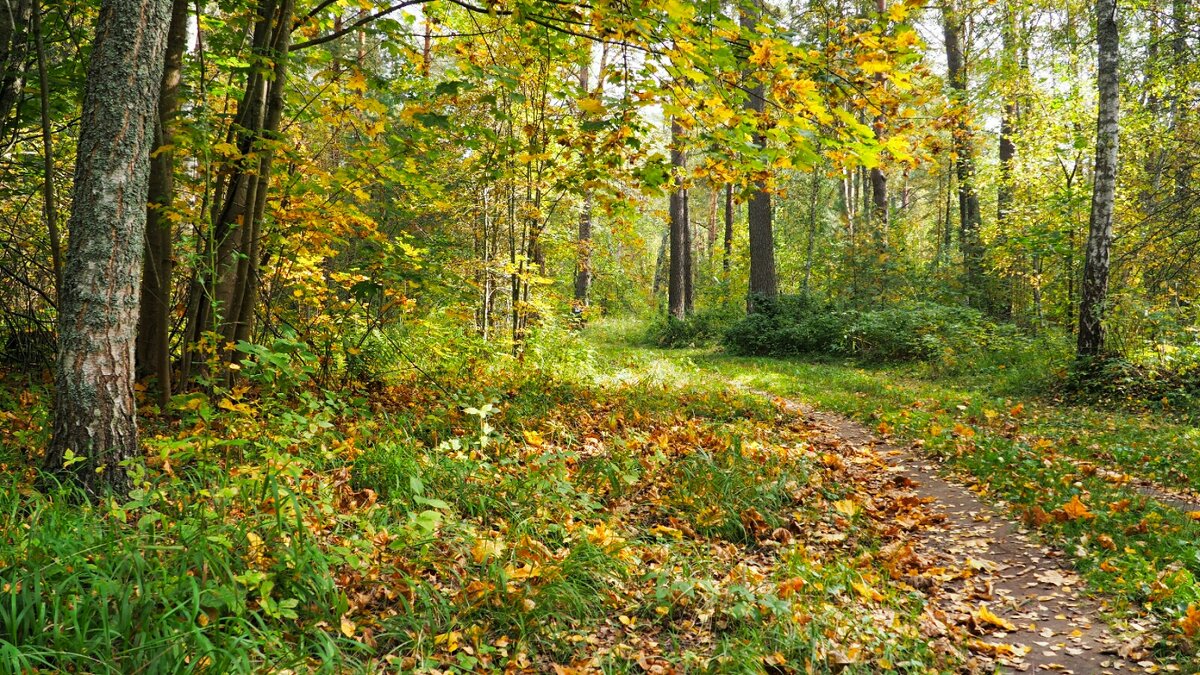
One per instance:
(787, 325)
(701, 328)
(916, 332)
(802, 325)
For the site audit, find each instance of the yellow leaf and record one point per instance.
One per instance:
(846, 507)
(226, 150)
(760, 53)
(483, 549)
(592, 106)
(987, 616)
(897, 12)
(348, 626)
(534, 438)
(866, 591)
(667, 532)
(872, 66)
(450, 640)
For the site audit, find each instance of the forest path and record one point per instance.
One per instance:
(1037, 618)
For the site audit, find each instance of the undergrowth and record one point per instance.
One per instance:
(483, 514)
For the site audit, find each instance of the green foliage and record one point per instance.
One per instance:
(788, 325)
(705, 327)
(803, 325)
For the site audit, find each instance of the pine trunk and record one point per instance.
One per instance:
(763, 283)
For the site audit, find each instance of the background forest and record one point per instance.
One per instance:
(328, 326)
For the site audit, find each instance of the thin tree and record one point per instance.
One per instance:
(95, 429)
(678, 267)
(1094, 290)
(153, 352)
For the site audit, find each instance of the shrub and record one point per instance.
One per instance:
(701, 328)
(788, 325)
(800, 325)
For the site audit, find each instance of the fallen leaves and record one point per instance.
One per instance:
(866, 591)
(1190, 623)
(846, 507)
(1075, 509)
(986, 617)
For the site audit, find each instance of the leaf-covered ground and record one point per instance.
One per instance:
(624, 513)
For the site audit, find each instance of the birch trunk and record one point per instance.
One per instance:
(94, 407)
(1094, 290)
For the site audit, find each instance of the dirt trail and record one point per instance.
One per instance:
(991, 562)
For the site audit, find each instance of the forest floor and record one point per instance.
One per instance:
(603, 507)
(1076, 524)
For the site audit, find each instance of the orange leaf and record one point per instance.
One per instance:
(1076, 509)
(791, 587)
(1190, 623)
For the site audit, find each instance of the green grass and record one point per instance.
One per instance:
(1140, 554)
(599, 504)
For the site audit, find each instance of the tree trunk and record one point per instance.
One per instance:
(813, 198)
(727, 261)
(676, 290)
(1180, 106)
(49, 207)
(154, 324)
(94, 407)
(689, 256)
(1008, 116)
(1007, 150)
(230, 286)
(15, 24)
(583, 271)
(969, 218)
(763, 283)
(583, 265)
(661, 264)
(1094, 290)
(879, 194)
(255, 259)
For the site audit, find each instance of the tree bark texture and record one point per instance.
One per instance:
(154, 324)
(969, 217)
(1094, 290)
(94, 408)
(677, 209)
(16, 18)
(762, 240)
